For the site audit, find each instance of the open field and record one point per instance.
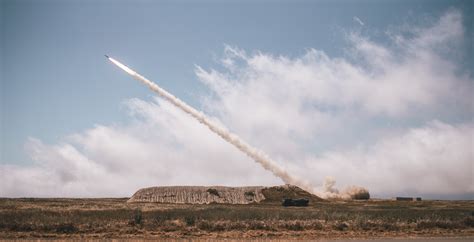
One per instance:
(114, 218)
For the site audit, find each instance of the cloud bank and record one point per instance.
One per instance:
(395, 117)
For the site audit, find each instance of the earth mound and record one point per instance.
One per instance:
(278, 193)
(220, 194)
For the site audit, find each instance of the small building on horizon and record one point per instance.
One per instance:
(407, 198)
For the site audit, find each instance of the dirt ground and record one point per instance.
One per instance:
(115, 218)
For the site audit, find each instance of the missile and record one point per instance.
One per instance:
(157, 89)
(257, 155)
(130, 72)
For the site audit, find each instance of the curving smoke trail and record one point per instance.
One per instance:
(257, 155)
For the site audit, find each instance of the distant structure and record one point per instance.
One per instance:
(220, 194)
(408, 198)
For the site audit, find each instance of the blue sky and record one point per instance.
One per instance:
(55, 81)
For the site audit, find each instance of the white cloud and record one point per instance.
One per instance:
(435, 159)
(161, 146)
(368, 119)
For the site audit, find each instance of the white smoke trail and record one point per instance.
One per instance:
(257, 155)
(260, 157)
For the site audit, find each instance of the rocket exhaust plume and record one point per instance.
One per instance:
(253, 153)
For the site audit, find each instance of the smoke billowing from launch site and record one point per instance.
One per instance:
(257, 155)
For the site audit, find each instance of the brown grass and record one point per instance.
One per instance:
(114, 218)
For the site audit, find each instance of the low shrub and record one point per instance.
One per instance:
(66, 228)
(389, 227)
(438, 224)
(316, 225)
(341, 226)
(137, 217)
(365, 225)
(297, 226)
(190, 221)
(469, 221)
(204, 225)
(258, 225)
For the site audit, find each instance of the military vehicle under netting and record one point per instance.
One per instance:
(302, 202)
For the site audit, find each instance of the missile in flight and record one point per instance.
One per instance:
(258, 156)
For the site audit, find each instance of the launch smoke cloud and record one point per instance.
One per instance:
(260, 157)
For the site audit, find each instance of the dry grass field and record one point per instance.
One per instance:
(114, 218)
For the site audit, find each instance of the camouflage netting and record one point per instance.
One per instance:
(219, 194)
(199, 194)
(278, 193)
